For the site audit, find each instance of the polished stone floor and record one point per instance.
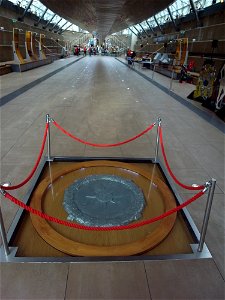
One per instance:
(102, 100)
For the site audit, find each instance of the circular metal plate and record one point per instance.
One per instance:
(103, 200)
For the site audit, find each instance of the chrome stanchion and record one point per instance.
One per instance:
(157, 140)
(172, 75)
(48, 120)
(212, 185)
(2, 230)
(153, 72)
(171, 80)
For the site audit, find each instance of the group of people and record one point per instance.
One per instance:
(77, 50)
(92, 50)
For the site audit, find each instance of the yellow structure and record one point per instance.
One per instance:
(16, 50)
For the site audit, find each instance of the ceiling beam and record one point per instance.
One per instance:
(65, 29)
(41, 17)
(139, 32)
(49, 21)
(195, 12)
(172, 19)
(160, 28)
(136, 29)
(62, 26)
(133, 31)
(25, 11)
(144, 30)
(150, 27)
(55, 24)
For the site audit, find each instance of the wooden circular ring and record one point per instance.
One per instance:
(68, 246)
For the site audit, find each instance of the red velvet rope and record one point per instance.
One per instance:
(103, 145)
(187, 187)
(122, 227)
(35, 166)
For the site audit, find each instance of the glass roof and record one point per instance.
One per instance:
(37, 8)
(178, 9)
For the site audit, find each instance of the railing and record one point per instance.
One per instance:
(208, 186)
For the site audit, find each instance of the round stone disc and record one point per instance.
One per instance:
(103, 200)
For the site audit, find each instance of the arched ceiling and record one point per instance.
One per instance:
(106, 16)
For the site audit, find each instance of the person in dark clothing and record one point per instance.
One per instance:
(133, 55)
(130, 59)
(77, 51)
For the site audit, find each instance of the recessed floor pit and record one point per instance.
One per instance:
(100, 193)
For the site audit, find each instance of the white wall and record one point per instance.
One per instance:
(133, 41)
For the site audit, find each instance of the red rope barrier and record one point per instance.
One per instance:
(35, 166)
(187, 187)
(103, 145)
(122, 227)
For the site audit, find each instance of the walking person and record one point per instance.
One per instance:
(85, 51)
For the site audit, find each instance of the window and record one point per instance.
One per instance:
(179, 9)
(37, 8)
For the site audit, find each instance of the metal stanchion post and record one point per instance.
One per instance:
(48, 120)
(153, 72)
(207, 213)
(172, 75)
(3, 232)
(171, 80)
(157, 140)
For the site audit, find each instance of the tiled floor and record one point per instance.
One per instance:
(102, 100)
